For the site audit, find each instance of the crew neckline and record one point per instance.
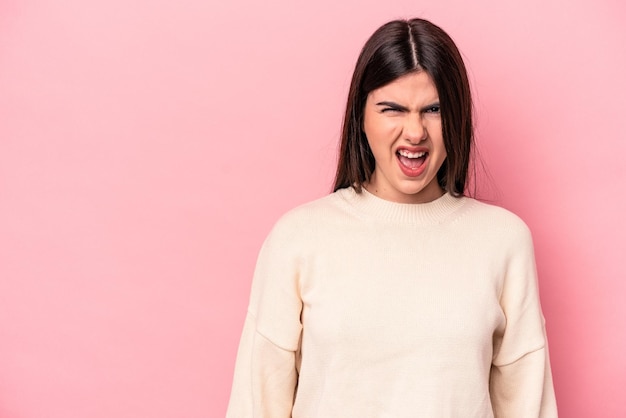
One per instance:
(374, 207)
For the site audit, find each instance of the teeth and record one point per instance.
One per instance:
(408, 154)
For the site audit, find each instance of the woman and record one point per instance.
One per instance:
(396, 295)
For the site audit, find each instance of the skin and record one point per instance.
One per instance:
(404, 115)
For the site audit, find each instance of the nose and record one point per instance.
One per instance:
(414, 129)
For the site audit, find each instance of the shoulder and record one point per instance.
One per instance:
(309, 217)
(496, 220)
(498, 214)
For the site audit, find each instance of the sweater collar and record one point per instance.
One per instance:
(375, 208)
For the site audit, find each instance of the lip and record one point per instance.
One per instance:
(410, 172)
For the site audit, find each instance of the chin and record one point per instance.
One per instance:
(418, 190)
(411, 189)
(411, 193)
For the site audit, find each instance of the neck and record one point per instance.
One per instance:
(429, 193)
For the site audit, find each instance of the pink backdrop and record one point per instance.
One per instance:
(147, 147)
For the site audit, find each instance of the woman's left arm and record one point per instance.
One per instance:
(521, 379)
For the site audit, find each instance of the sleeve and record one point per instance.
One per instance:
(521, 380)
(266, 376)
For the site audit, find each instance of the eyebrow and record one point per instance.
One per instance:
(393, 105)
(404, 108)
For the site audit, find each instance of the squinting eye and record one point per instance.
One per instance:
(390, 110)
(433, 109)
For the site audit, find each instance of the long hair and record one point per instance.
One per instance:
(398, 48)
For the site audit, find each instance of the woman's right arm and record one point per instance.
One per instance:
(266, 377)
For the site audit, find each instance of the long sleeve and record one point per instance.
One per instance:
(521, 380)
(265, 377)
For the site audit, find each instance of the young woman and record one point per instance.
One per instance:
(397, 296)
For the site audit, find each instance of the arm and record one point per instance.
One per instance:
(265, 373)
(521, 379)
(265, 377)
(524, 388)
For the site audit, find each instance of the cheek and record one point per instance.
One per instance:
(436, 136)
(381, 130)
(442, 154)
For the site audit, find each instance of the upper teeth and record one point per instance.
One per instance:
(409, 154)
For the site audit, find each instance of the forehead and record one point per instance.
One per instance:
(415, 86)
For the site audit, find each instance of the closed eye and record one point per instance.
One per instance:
(391, 110)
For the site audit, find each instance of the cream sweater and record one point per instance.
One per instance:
(362, 307)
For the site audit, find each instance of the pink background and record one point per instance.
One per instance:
(147, 147)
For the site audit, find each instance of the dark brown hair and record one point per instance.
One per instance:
(398, 48)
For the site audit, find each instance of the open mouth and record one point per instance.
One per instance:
(412, 161)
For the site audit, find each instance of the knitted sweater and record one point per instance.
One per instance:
(361, 307)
